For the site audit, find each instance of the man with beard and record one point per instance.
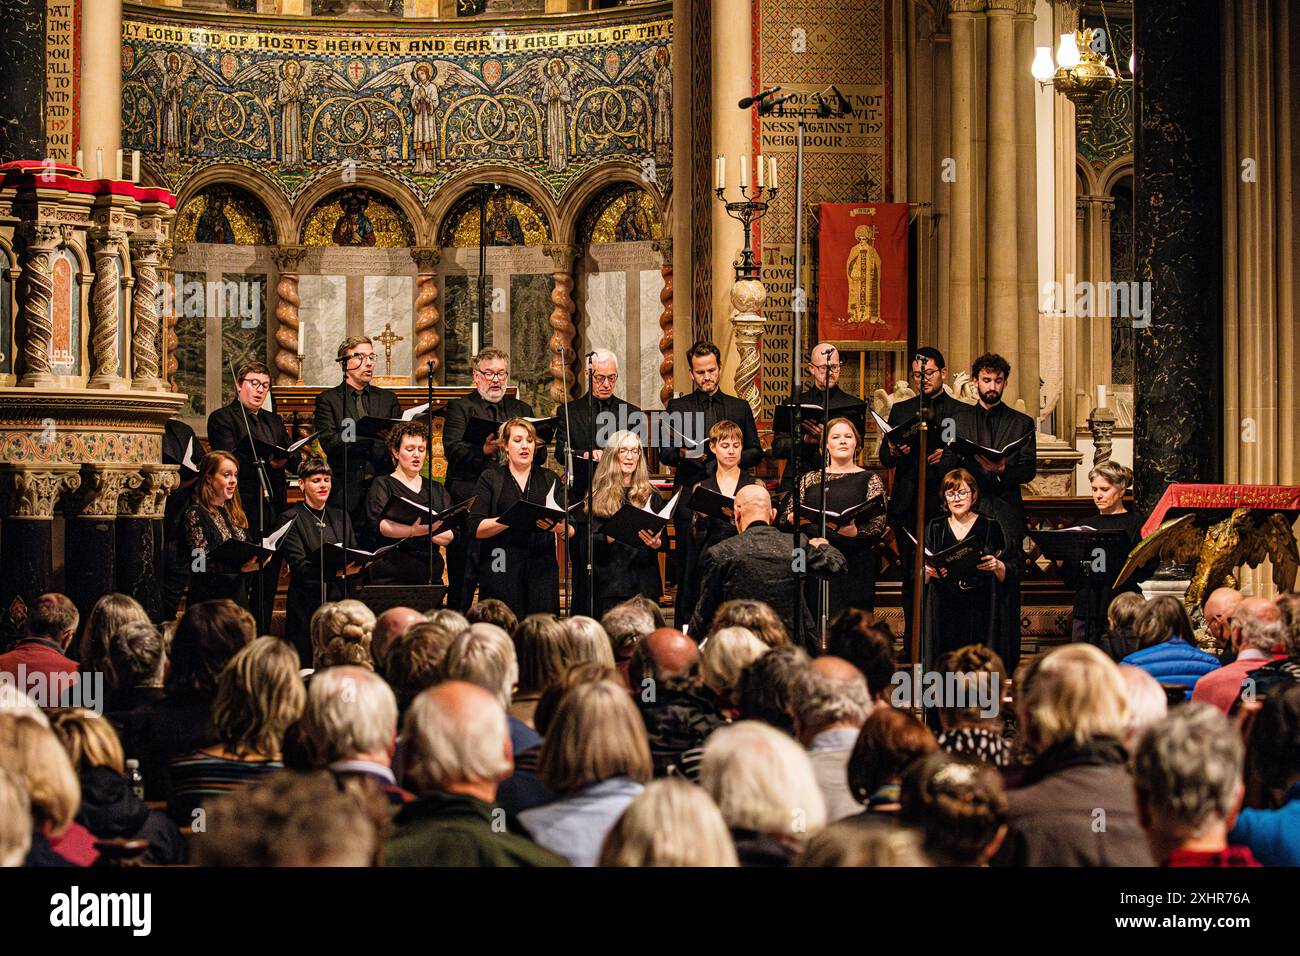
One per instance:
(591, 423)
(824, 366)
(929, 371)
(992, 424)
(466, 460)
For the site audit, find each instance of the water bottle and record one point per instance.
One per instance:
(135, 777)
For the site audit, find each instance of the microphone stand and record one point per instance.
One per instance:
(263, 482)
(428, 460)
(918, 559)
(824, 585)
(591, 417)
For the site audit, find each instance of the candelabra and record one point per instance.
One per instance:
(751, 207)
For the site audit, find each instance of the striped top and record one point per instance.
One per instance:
(197, 777)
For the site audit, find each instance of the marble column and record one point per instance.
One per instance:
(1178, 169)
(167, 302)
(964, 338)
(105, 320)
(563, 331)
(1065, 241)
(145, 253)
(747, 299)
(140, 535)
(29, 498)
(665, 249)
(1001, 292)
(1026, 229)
(731, 55)
(288, 366)
(428, 320)
(101, 83)
(90, 542)
(42, 239)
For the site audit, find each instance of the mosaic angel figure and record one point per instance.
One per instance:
(425, 78)
(173, 69)
(555, 79)
(293, 79)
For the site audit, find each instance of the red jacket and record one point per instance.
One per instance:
(40, 656)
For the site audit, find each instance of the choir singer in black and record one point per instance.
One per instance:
(214, 516)
(824, 367)
(466, 461)
(623, 570)
(516, 565)
(686, 420)
(355, 459)
(726, 442)
(408, 564)
(586, 424)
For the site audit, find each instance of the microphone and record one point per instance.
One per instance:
(841, 101)
(346, 358)
(749, 101)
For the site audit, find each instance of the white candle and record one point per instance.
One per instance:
(744, 172)
(758, 163)
(473, 340)
(99, 162)
(1101, 396)
(135, 165)
(773, 176)
(302, 338)
(722, 172)
(79, 157)
(120, 173)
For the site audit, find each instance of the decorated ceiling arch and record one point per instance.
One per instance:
(225, 214)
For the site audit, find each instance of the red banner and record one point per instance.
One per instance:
(1182, 495)
(862, 289)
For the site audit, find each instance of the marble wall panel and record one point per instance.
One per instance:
(530, 331)
(648, 357)
(323, 320)
(244, 300)
(388, 301)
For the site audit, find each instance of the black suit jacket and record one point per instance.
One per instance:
(940, 410)
(465, 460)
(810, 455)
(694, 415)
(592, 428)
(361, 459)
(1000, 492)
(226, 429)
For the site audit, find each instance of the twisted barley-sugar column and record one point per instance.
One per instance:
(665, 248)
(144, 340)
(563, 331)
(287, 302)
(41, 240)
(104, 295)
(428, 319)
(167, 300)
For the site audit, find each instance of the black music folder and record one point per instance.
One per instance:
(712, 503)
(629, 521)
(372, 426)
(408, 512)
(782, 420)
(266, 449)
(859, 514)
(478, 430)
(964, 446)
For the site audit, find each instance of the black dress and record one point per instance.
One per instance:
(206, 530)
(409, 563)
(856, 587)
(1094, 591)
(966, 612)
(517, 566)
(299, 544)
(623, 570)
(707, 530)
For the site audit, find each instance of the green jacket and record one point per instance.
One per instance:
(449, 829)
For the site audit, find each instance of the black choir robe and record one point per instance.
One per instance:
(517, 566)
(226, 429)
(205, 530)
(409, 563)
(708, 531)
(1094, 591)
(299, 544)
(176, 554)
(623, 570)
(809, 454)
(360, 460)
(971, 611)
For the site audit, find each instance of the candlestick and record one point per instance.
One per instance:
(99, 162)
(302, 339)
(744, 173)
(758, 163)
(722, 172)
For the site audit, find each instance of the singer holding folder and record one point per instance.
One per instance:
(623, 570)
(964, 605)
(514, 564)
(408, 443)
(726, 442)
(213, 517)
(315, 524)
(1095, 590)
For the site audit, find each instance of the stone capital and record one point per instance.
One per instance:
(146, 497)
(426, 258)
(288, 258)
(43, 236)
(35, 492)
(102, 487)
(1002, 7)
(562, 254)
(146, 250)
(958, 7)
(665, 249)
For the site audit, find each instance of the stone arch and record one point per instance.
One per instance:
(1115, 173)
(260, 186)
(591, 184)
(359, 177)
(1088, 182)
(455, 189)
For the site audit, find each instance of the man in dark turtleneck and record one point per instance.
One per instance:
(592, 421)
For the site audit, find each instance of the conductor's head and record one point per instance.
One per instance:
(753, 503)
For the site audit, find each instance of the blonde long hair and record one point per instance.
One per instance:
(607, 486)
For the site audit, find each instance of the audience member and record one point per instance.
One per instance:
(1164, 633)
(890, 741)
(542, 650)
(672, 823)
(111, 612)
(1218, 610)
(40, 655)
(15, 819)
(349, 723)
(452, 620)
(259, 697)
(764, 692)
(289, 819)
(959, 807)
(830, 702)
(341, 633)
(109, 809)
(626, 625)
(763, 622)
(1270, 825)
(1120, 637)
(459, 750)
(1284, 670)
(1145, 703)
(1075, 806)
(389, 626)
(493, 611)
(1254, 632)
(29, 749)
(1188, 775)
(971, 721)
(582, 673)
(414, 661)
(665, 678)
(868, 645)
(588, 641)
(648, 605)
(723, 658)
(597, 759)
(763, 783)
(857, 844)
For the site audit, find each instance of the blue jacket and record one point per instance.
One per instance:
(575, 825)
(1174, 662)
(1272, 835)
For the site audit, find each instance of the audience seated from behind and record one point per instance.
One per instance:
(42, 649)
(959, 808)
(678, 711)
(260, 695)
(588, 641)
(137, 667)
(763, 783)
(458, 752)
(110, 614)
(763, 622)
(626, 625)
(1145, 703)
(830, 702)
(1270, 823)
(672, 823)
(1256, 636)
(493, 611)
(764, 692)
(1188, 774)
(341, 633)
(857, 844)
(389, 626)
(109, 809)
(971, 725)
(889, 742)
(1120, 639)
(723, 660)
(868, 645)
(1165, 651)
(597, 759)
(543, 652)
(15, 819)
(31, 751)
(414, 662)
